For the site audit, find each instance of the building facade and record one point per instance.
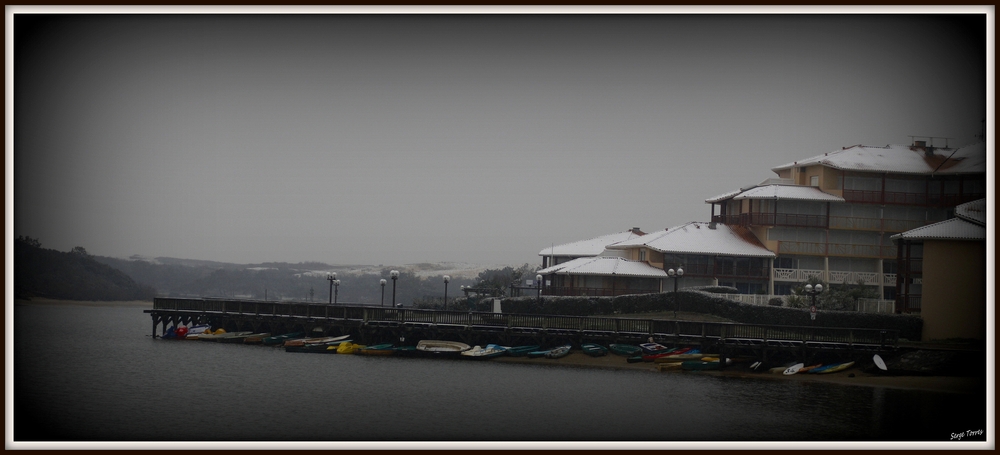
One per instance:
(833, 216)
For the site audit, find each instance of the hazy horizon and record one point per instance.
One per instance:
(401, 139)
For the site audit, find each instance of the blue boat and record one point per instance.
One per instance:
(521, 351)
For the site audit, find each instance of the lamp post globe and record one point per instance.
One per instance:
(331, 277)
(812, 291)
(675, 274)
(394, 275)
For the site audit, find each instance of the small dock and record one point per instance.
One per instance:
(375, 324)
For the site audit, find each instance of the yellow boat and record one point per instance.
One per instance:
(349, 348)
(669, 366)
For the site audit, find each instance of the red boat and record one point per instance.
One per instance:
(668, 353)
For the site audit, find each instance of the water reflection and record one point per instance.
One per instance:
(104, 378)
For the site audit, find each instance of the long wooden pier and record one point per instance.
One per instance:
(373, 324)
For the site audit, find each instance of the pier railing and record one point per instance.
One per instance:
(583, 325)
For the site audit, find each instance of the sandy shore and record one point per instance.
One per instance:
(931, 383)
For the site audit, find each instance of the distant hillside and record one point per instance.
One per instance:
(73, 275)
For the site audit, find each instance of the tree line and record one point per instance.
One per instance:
(73, 275)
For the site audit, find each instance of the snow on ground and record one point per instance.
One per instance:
(454, 269)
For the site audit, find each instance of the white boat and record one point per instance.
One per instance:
(439, 347)
(217, 337)
(479, 352)
(195, 331)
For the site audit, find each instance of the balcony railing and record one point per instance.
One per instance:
(901, 198)
(726, 271)
(876, 306)
(836, 276)
(823, 221)
(837, 249)
(796, 274)
(909, 303)
(874, 224)
(772, 219)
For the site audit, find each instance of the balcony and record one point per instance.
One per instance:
(837, 249)
(727, 271)
(874, 224)
(796, 275)
(921, 199)
(836, 276)
(820, 221)
(772, 219)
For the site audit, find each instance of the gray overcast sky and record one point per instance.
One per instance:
(375, 139)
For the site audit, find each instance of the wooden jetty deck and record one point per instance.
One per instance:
(371, 324)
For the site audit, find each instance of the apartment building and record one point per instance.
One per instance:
(833, 215)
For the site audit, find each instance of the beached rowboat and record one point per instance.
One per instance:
(559, 352)
(594, 350)
(624, 349)
(521, 351)
(488, 352)
(442, 348)
(378, 349)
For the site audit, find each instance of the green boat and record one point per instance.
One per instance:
(594, 350)
(319, 348)
(521, 351)
(625, 349)
(700, 365)
(279, 339)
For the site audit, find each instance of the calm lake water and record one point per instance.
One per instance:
(95, 374)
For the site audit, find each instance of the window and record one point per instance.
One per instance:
(814, 180)
(642, 254)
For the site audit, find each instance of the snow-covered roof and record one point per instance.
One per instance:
(591, 247)
(798, 192)
(951, 229)
(777, 189)
(974, 211)
(605, 265)
(723, 196)
(701, 238)
(903, 159)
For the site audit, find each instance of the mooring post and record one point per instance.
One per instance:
(154, 326)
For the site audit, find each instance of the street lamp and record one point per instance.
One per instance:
(538, 285)
(394, 275)
(676, 275)
(811, 291)
(382, 282)
(331, 278)
(336, 290)
(446, 278)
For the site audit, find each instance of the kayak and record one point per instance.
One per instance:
(594, 350)
(624, 349)
(521, 351)
(378, 349)
(559, 352)
(832, 368)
